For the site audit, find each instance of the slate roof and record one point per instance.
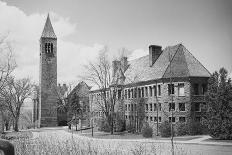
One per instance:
(183, 64)
(48, 31)
(80, 90)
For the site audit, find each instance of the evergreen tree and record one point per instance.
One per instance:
(219, 99)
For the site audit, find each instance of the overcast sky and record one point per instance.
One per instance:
(83, 27)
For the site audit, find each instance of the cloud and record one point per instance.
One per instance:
(24, 32)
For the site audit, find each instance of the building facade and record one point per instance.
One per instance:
(171, 84)
(48, 77)
(82, 92)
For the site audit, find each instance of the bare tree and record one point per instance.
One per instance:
(13, 96)
(99, 74)
(7, 62)
(7, 65)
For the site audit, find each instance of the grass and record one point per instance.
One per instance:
(217, 140)
(53, 145)
(126, 135)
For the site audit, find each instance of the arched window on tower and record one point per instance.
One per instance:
(46, 47)
(49, 48)
(52, 48)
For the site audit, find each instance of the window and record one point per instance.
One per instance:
(119, 94)
(155, 107)
(135, 107)
(204, 89)
(155, 119)
(155, 90)
(159, 106)
(151, 118)
(196, 90)
(181, 89)
(135, 93)
(142, 91)
(172, 119)
(132, 107)
(125, 94)
(182, 119)
(146, 118)
(197, 107)
(171, 106)
(126, 116)
(126, 107)
(171, 89)
(139, 91)
(198, 119)
(146, 92)
(48, 47)
(129, 93)
(132, 93)
(159, 119)
(159, 90)
(129, 107)
(150, 91)
(181, 106)
(150, 106)
(146, 107)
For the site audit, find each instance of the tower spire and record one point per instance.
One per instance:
(48, 31)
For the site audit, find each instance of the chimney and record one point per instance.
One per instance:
(115, 66)
(124, 63)
(154, 53)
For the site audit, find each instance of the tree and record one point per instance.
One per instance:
(219, 100)
(7, 65)
(13, 96)
(99, 74)
(75, 107)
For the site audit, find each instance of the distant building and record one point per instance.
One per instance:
(82, 92)
(170, 81)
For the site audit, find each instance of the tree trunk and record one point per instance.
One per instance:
(7, 126)
(16, 128)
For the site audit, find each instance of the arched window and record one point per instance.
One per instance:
(46, 47)
(51, 47)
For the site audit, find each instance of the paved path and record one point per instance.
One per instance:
(195, 146)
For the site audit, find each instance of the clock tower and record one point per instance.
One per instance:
(48, 77)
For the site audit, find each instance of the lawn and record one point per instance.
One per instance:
(217, 140)
(126, 135)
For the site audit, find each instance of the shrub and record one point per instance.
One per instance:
(130, 128)
(120, 124)
(147, 131)
(103, 125)
(182, 129)
(165, 129)
(195, 128)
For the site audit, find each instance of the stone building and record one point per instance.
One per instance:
(82, 91)
(48, 76)
(170, 81)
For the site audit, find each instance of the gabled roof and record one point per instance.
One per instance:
(82, 90)
(48, 31)
(183, 64)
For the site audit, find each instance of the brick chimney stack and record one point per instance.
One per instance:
(154, 53)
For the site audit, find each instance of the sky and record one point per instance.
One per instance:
(84, 27)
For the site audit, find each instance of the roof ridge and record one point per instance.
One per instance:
(186, 61)
(172, 59)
